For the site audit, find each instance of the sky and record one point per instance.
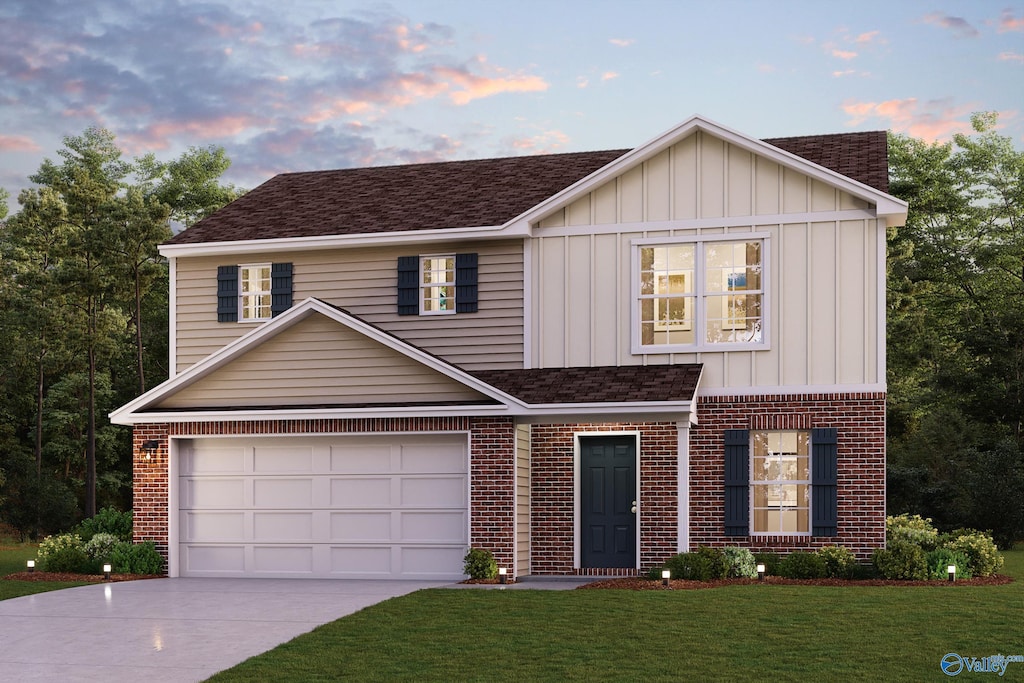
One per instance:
(297, 85)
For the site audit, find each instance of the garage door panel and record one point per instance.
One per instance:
(271, 493)
(213, 493)
(436, 527)
(442, 492)
(282, 526)
(306, 506)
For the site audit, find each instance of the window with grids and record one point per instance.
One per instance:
(255, 295)
(700, 294)
(780, 476)
(437, 284)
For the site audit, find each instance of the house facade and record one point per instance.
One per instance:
(584, 363)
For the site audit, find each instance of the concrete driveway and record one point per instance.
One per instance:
(170, 629)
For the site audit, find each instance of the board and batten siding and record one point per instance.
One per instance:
(522, 557)
(319, 361)
(363, 281)
(823, 286)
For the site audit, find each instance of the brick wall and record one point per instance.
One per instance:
(492, 488)
(552, 494)
(860, 419)
(149, 487)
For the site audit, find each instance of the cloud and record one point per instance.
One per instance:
(846, 72)
(932, 120)
(960, 27)
(766, 68)
(609, 75)
(17, 143)
(582, 81)
(1008, 22)
(1010, 56)
(869, 37)
(621, 42)
(545, 142)
(471, 86)
(845, 55)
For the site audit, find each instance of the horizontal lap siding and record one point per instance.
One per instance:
(364, 282)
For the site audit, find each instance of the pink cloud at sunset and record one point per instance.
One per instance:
(933, 121)
(960, 27)
(17, 143)
(475, 87)
(1009, 22)
(845, 55)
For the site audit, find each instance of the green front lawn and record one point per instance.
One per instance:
(754, 632)
(12, 560)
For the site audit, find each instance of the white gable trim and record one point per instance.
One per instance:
(130, 412)
(889, 208)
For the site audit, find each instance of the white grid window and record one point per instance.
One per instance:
(437, 284)
(254, 298)
(780, 476)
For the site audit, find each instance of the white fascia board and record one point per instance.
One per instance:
(286, 413)
(893, 210)
(292, 244)
(795, 390)
(293, 315)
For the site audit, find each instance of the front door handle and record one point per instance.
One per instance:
(633, 509)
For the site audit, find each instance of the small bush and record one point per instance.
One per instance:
(100, 546)
(901, 560)
(839, 562)
(707, 564)
(983, 558)
(771, 562)
(802, 565)
(938, 561)
(480, 564)
(739, 563)
(107, 521)
(65, 553)
(913, 529)
(136, 558)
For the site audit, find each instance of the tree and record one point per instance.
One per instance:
(190, 184)
(956, 306)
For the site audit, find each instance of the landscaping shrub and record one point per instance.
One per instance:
(840, 562)
(101, 545)
(983, 558)
(771, 562)
(912, 529)
(802, 565)
(480, 564)
(739, 563)
(901, 560)
(65, 553)
(938, 561)
(107, 521)
(707, 564)
(136, 558)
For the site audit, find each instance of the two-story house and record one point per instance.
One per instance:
(584, 363)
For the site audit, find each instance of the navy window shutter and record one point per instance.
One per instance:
(466, 283)
(280, 288)
(824, 506)
(227, 294)
(408, 285)
(737, 482)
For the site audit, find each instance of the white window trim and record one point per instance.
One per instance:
(809, 480)
(420, 286)
(241, 307)
(700, 324)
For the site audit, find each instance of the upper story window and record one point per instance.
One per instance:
(254, 292)
(694, 295)
(437, 284)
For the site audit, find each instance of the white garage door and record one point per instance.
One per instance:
(324, 507)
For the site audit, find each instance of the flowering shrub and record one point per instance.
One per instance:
(913, 529)
(740, 563)
(100, 546)
(65, 553)
(840, 562)
(983, 558)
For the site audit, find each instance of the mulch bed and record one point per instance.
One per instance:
(88, 578)
(637, 583)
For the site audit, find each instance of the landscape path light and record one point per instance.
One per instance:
(502, 575)
(760, 572)
(106, 571)
(951, 572)
(31, 564)
(665, 576)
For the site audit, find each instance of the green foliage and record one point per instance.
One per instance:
(983, 558)
(938, 561)
(912, 529)
(901, 560)
(840, 562)
(707, 564)
(740, 563)
(65, 553)
(772, 562)
(107, 521)
(101, 545)
(480, 564)
(136, 558)
(803, 565)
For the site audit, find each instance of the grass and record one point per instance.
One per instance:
(12, 559)
(754, 632)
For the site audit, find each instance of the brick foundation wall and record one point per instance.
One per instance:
(860, 419)
(552, 487)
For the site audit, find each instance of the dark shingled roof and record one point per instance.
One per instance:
(458, 194)
(631, 383)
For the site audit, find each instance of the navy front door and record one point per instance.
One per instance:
(608, 501)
